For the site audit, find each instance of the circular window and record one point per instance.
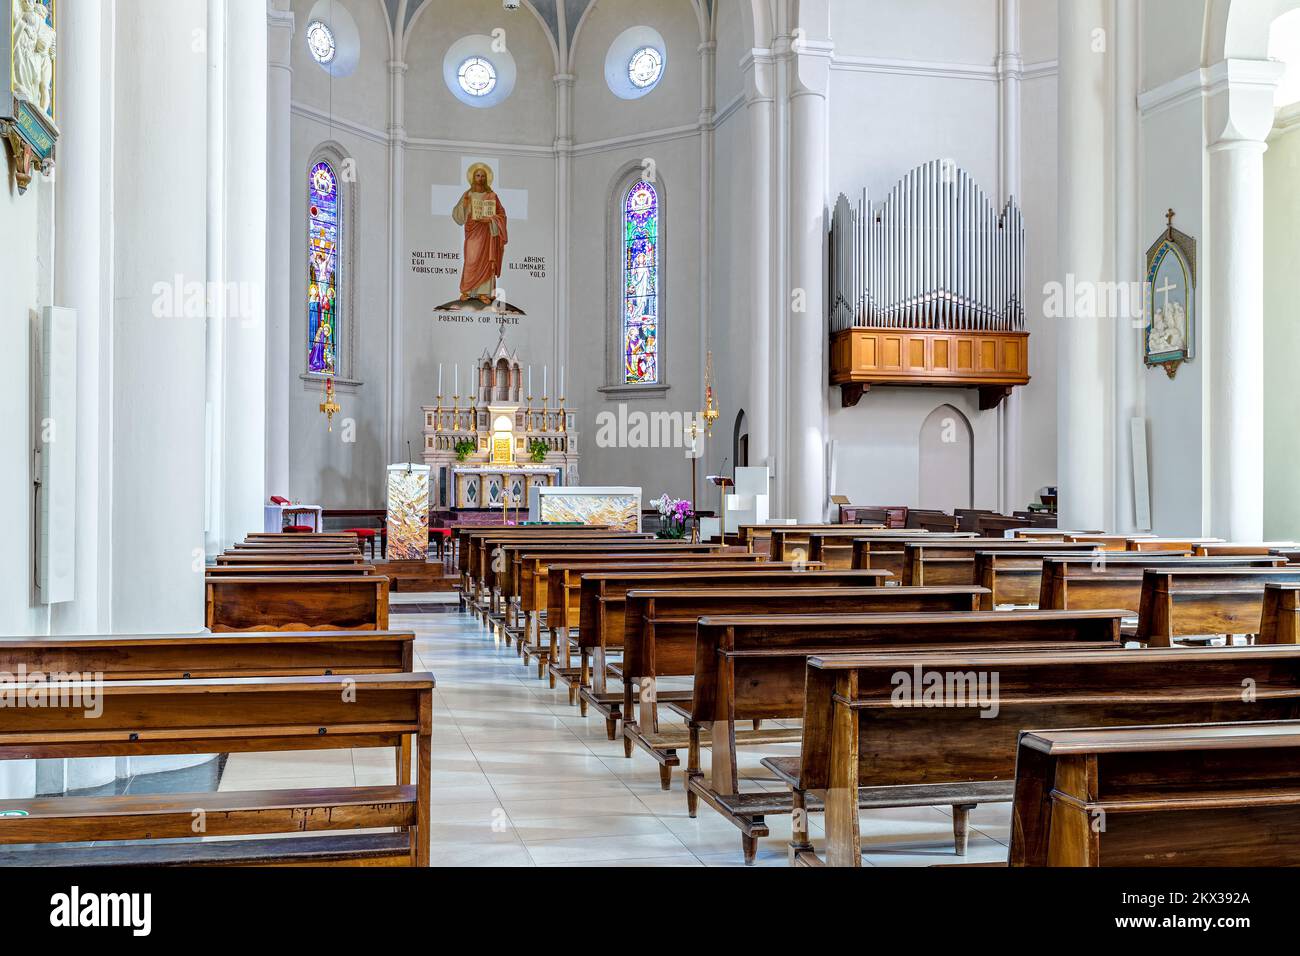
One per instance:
(320, 41)
(477, 76)
(635, 63)
(644, 67)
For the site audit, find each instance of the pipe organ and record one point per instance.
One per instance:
(927, 288)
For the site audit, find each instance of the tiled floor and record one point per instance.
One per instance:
(520, 779)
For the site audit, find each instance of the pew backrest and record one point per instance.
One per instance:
(304, 603)
(1185, 602)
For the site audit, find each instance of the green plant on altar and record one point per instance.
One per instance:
(538, 450)
(464, 448)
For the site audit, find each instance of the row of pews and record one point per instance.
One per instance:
(297, 656)
(918, 668)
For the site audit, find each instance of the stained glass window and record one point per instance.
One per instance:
(320, 41)
(323, 271)
(641, 285)
(644, 67)
(477, 76)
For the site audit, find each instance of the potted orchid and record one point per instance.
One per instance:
(674, 513)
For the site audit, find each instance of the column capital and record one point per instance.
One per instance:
(398, 67)
(564, 80)
(1239, 101)
(280, 28)
(758, 66)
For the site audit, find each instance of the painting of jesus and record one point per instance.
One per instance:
(482, 214)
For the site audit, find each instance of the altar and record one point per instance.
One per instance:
(490, 447)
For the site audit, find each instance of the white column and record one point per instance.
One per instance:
(1010, 67)
(1128, 369)
(215, 331)
(1083, 353)
(245, 242)
(279, 214)
(563, 199)
(79, 270)
(159, 208)
(1239, 115)
(760, 106)
(708, 57)
(397, 259)
(805, 452)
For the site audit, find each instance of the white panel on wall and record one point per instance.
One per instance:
(1141, 477)
(57, 452)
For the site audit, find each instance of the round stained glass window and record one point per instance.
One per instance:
(320, 40)
(644, 67)
(477, 76)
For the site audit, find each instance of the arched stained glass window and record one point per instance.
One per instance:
(641, 285)
(323, 271)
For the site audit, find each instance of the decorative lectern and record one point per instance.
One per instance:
(408, 512)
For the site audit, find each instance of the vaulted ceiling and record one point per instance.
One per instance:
(560, 17)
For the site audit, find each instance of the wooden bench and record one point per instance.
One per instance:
(1144, 543)
(856, 734)
(659, 641)
(1016, 577)
(476, 548)
(603, 599)
(246, 558)
(1106, 542)
(1115, 579)
(1197, 602)
(262, 570)
(229, 654)
(564, 597)
(533, 603)
(297, 603)
(1280, 616)
(1215, 794)
(522, 592)
(227, 715)
(494, 565)
(835, 550)
(312, 538)
(1237, 548)
(752, 667)
(873, 551)
(941, 563)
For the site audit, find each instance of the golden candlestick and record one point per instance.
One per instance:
(546, 410)
(437, 415)
(711, 411)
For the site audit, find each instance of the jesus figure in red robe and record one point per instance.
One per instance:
(484, 217)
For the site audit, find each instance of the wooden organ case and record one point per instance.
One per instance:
(926, 288)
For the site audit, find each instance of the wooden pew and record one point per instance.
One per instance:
(1280, 616)
(752, 667)
(937, 523)
(1215, 794)
(1197, 602)
(1016, 577)
(1144, 543)
(535, 574)
(1079, 584)
(835, 549)
(297, 603)
(1237, 548)
(564, 599)
(476, 550)
(261, 570)
(659, 641)
(246, 558)
(313, 538)
(225, 715)
(1289, 555)
(1106, 542)
(996, 526)
(873, 551)
(230, 654)
(513, 584)
(936, 564)
(245, 548)
(494, 567)
(857, 735)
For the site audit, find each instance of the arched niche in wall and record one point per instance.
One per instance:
(740, 441)
(946, 461)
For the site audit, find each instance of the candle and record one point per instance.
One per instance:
(530, 381)
(543, 381)
(457, 392)
(440, 380)
(561, 393)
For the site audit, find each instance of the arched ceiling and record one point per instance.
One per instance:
(561, 18)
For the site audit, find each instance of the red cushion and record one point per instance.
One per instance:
(361, 532)
(299, 529)
(445, 532)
